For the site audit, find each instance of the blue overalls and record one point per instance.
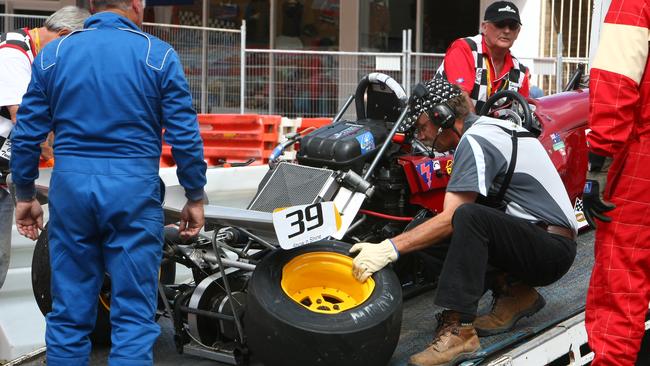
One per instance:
(107, 92)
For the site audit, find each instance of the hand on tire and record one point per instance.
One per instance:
(372, 258)
(593, 206)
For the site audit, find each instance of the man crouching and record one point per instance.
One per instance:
(507, 223)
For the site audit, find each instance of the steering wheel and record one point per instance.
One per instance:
(514, 108)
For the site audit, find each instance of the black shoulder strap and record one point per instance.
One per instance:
(472, 45)
(513, 161)
(22, 44)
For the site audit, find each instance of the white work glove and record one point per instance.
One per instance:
(372, 258)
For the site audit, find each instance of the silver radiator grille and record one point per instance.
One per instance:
(290, 185)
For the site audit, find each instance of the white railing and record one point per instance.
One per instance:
(226, 77)
(12, 21)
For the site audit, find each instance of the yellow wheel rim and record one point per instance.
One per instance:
(322, 282)
(105, 295)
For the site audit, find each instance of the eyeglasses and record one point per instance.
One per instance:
(513, 25)
(421, 127)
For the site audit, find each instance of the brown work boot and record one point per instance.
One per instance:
(511, 303)
(453, 342)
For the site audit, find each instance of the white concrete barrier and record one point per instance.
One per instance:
(22, 326)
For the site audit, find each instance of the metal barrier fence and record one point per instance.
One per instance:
(225, 77)
(309, 83)
(212, 59)
(10, 22)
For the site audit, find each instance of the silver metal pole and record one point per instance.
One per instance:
(242, 68)
(272, 31)
(419, 27)
(404, 56)
(9, 9)
(558, 64)
(204, 59)
(408, 60)
(342, 110)
(387, 142)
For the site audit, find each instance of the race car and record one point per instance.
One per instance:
(249, 297)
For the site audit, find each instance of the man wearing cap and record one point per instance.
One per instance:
(111, 92)
(507, 223)
(483, 65)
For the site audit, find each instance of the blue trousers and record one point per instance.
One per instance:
(105, 217)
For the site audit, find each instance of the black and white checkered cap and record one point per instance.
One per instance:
(426, 96)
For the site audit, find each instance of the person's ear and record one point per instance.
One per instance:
(63, 32)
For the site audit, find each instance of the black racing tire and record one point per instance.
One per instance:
(282, 332)
(41, 277)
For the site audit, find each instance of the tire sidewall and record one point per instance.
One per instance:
(265, 286)
(284, 333)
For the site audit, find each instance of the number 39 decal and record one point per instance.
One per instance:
(300, 225)
(310, 213)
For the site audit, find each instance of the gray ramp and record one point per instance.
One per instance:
(563, 299)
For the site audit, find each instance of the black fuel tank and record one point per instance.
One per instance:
(342, 145)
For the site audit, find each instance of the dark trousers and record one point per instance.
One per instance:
(487, 241)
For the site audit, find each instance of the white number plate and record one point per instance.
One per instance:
(299, 225)
(5, 148)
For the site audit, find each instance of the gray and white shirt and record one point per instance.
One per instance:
(536, 192)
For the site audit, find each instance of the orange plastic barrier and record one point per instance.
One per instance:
(234, 138)
(313, 122)
(306, 123)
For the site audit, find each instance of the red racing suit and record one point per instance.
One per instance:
(468, 64)
(619, 291)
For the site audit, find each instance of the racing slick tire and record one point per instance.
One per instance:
(282, 330)
(41, 276)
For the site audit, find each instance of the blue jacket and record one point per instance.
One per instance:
(108, 91)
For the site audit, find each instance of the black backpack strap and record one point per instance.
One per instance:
(513, 161)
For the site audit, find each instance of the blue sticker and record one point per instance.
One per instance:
(555, 137)
(366, 142)
(587, 187)
(558, 144)
(426, 170)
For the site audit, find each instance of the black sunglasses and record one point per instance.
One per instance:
(512, 24)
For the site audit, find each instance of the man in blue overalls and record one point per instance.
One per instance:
(107, 92)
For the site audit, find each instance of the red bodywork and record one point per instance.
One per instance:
(564, 119)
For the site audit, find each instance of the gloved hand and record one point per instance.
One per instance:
(593, 206)
(372, 257)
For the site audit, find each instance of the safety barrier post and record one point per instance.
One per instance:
(242, 71)
(407, 84)
(404, 56)
(204, 59)
(558, 63)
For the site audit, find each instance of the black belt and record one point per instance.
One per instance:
(558, 230)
